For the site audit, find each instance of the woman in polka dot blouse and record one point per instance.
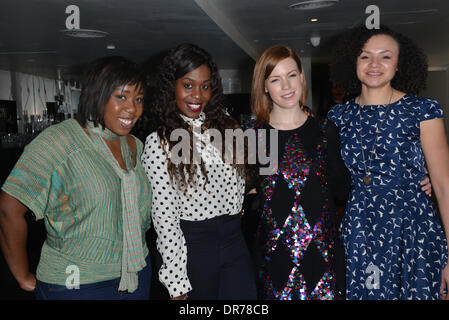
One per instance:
(197, 196)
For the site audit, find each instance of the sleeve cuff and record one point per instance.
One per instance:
(25, 199)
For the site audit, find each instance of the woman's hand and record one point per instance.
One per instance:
(426, 185)
(28, 283)
(252, 191)
(445, 283)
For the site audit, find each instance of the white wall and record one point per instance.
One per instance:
(31, 92)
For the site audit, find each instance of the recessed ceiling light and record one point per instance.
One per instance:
(110, 47)
(314, 20)
(312, 4)
(84, 33)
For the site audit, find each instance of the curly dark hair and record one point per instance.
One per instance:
(166, 115)
(412, 63)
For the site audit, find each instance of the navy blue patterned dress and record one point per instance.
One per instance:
(395, 246)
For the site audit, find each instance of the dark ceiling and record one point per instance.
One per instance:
(234, 31)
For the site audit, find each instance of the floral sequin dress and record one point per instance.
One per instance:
(298, 255)
(394, 242)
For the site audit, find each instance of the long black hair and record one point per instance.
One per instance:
(166, 115)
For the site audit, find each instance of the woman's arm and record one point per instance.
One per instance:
(13, 237)
(165, 214)
(436, 152)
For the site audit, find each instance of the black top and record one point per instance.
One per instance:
(337, 174)
(310, 180)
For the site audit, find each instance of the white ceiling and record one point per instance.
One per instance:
(234, 31)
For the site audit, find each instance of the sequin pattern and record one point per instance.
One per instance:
(297, 233)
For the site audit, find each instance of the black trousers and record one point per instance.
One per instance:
(219, 266)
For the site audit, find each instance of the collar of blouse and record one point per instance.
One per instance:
(195, 122)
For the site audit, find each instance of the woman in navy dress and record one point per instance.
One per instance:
(394, 240)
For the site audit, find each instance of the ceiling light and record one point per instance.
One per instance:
(110, 47)
(312, 4)
(84, 33)
(314, 20)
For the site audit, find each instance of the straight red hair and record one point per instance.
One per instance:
(260, 101)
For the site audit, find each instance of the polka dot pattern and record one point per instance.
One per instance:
(223, 194)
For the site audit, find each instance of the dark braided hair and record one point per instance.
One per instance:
(412, 62)
(166, 115)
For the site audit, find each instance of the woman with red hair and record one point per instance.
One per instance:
(298, 255)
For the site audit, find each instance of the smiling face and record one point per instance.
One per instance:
(377, 64)
(193, 91)
(123, 109)
(284, 84)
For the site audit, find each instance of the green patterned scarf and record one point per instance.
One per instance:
(132, 258)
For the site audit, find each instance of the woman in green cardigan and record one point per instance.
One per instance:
(84, 178)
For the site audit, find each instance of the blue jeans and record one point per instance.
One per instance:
(104, 290)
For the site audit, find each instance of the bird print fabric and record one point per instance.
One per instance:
(395, 246)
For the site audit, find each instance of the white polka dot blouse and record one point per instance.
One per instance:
(223, 194)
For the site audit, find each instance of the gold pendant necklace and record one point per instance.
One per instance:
(367, 178)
